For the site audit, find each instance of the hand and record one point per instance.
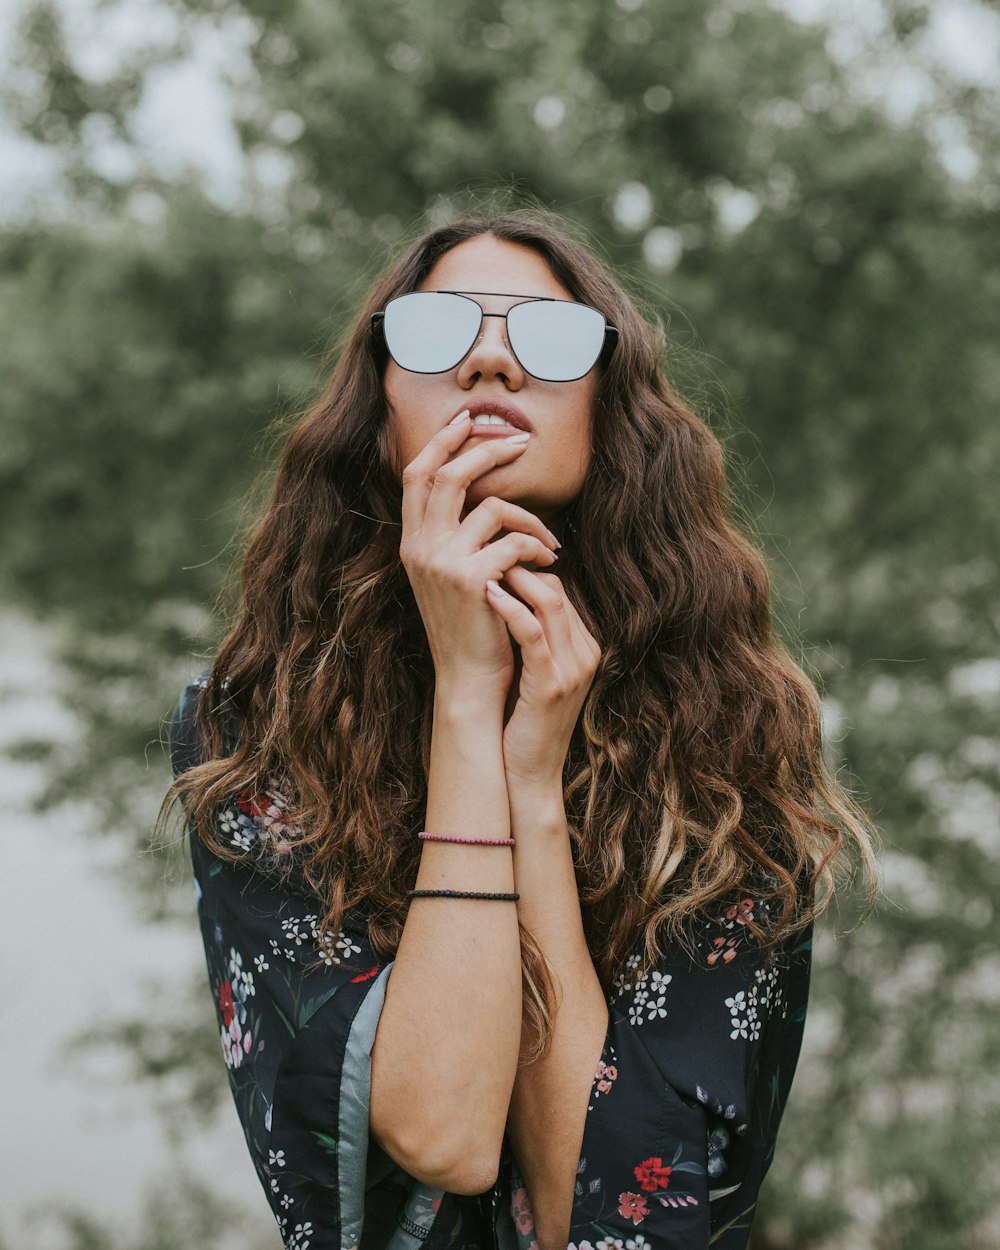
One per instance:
(449, 560)
(559, 660)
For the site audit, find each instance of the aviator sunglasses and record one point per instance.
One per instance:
(554, 340)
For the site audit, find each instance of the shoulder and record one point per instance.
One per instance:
(182, 737)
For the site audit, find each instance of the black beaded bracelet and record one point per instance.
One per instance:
(505, 898)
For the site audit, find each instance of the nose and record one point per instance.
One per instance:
(490, 357)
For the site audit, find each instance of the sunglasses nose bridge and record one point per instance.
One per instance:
(491, 349)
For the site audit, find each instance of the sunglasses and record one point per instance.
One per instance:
(555, 340)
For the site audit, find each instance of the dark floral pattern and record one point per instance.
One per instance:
(684, 1106)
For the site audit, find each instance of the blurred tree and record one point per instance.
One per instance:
(825, 278)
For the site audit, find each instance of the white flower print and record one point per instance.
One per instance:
(656, 1009)
(241, 981)
(621, 981)
(276, 1158)
(260, 963)
(235, 1043)
(239, 829)
(283, 951)
(293, 932)
(610, 1243)
(335, 949)
(300, 1236)
(738, 1010)
(649, 998)
(286, 1201)
(274, 1184)
(638, 1242)
(749, 1009)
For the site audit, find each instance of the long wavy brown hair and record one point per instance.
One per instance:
(695, 776)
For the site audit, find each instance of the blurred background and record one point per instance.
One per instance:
(193, 196)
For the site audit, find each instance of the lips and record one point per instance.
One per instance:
(499, 408)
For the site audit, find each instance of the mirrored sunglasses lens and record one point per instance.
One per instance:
(554, 341)
(430, 332)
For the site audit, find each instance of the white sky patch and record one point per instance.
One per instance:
(633, 206)
(549, 112)
(663, 248)
(185, 119)
(735, 207)
(966, 39)
(979, 680)
(956, 154)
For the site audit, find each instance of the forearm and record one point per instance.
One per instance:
(446, 1050)
(549, 1101)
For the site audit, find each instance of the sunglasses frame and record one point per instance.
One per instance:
(607, 347)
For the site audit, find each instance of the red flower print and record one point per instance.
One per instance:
(742, 911)
(726, 947)
(249, 803)
(606, 1074)
(520, 1208)
(364, 976)
(651, 1174)
(226, 1003)
(633, 1207)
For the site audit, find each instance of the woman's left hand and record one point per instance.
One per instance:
(559, 659)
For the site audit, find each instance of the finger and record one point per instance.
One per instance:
(493, 515)
(497, 558)
(450, 482)
(546, 598)
(525, 628)
(529, 585)
(418, 476)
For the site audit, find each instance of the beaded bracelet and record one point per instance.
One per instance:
(450, 837)
(506, 898)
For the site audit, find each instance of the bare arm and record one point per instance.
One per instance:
(549, 1103)
(446, 1049)
(445, 1054)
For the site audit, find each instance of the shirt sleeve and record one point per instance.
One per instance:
(297, 1015)
(686, 1101)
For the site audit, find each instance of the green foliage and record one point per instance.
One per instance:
(840, 337)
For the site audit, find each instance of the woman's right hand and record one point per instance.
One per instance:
(448, 560)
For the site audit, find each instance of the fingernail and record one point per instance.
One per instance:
(494, 588)
(517, 438)
(462, 416)
(553, 537)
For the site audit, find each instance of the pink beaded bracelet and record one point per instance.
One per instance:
(450, 837)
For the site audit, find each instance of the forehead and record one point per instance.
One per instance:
(488, 264)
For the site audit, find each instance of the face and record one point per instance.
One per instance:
(549, 474)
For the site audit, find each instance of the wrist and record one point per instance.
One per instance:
(537, 803)
(457, 699)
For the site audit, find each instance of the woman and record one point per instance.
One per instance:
(502, 779)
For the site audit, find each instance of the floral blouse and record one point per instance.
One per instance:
(684, 1107)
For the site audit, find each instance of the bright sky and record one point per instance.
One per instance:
(184, 120)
